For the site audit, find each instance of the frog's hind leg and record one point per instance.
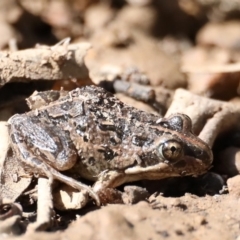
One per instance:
(52, 174)
(34, 165)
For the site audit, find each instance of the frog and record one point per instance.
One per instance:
(90, 133)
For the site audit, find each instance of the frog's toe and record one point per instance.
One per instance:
(80, 186)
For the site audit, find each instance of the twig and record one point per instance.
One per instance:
(226, 68)
(210, 117)
(44, 206)
(62, 61)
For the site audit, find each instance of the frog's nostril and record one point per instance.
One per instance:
(210, 157)
(206, 156)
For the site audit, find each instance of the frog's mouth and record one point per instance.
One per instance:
(185, 167)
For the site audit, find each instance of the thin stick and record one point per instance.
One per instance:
(44, 206)
(226, 68)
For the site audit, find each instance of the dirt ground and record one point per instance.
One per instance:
(187, 217)
(159, 56)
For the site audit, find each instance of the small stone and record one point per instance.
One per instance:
(134, 194)
(212, 183)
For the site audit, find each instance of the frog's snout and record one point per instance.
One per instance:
(204, 154)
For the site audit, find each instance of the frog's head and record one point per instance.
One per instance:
(180, 148)
(175, 151)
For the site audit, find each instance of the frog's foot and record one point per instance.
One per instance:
(52, 174)
(109, 179)
(75, 184)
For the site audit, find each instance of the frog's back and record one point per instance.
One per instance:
(107, 133)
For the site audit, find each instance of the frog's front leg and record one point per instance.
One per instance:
(109, 179)
(105, 186)
(45, 150)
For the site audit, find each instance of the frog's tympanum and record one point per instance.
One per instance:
(96, 136)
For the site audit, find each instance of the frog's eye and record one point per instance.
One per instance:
(170, 150)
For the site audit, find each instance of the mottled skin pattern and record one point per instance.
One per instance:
(93, 134)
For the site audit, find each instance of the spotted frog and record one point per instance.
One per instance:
(91, 133)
